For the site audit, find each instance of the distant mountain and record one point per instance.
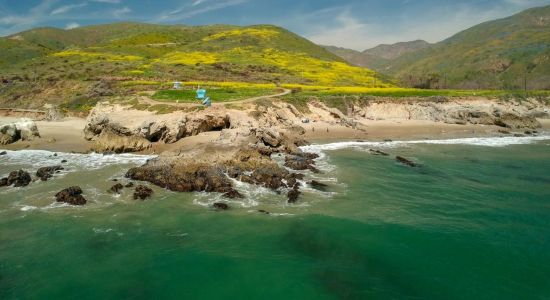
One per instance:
(394, 51)
(500, 54)
(379, 57)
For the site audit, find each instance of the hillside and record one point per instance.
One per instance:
(500, 54)
(56, 65)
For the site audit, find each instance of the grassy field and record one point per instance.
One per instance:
(215, 94)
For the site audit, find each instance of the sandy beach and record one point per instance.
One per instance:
(67, 135)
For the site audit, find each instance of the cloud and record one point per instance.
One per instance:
(72, 25)
(198, 2)
(187, 11)
(67, 8)
(120, 12)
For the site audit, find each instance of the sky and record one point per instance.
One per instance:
(355, 24)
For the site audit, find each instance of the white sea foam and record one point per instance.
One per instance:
(75, 161)
(477, 141)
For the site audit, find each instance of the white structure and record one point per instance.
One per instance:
(177, 85)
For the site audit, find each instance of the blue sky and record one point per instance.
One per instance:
(357, 24)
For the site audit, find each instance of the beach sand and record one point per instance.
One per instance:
(67, 135)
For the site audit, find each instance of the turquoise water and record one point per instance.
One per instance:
(473, 222)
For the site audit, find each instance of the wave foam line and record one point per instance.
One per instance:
(477, 141)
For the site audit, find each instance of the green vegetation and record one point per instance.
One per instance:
(215, 94)
(509, 54)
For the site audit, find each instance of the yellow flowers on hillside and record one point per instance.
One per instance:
(189, 58)
(99, 56)
(253, 32)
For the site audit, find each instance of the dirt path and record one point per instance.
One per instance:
(149, 101)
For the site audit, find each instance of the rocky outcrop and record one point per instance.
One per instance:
(71, 195)
(112, 137)
(220, 206)
(301, 161)
(142, 192)
(188, 175)
(46, 173)
(18, 178)
(514, 121)
(25, 130)
(116, 189)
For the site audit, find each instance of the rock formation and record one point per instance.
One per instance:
(46, 173)
(71, 195)
(25, 130)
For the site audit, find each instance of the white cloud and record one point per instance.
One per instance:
(120, 12)
(67, 8)
(198, 2)
(72, 25)
(187, 11)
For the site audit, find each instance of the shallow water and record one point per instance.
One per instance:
(472, 222)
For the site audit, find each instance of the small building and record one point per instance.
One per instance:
(177, 85)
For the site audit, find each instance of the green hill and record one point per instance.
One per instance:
(62, 63)
(499, 54)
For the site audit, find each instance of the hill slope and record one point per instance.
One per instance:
(66, 61)
(497, 54)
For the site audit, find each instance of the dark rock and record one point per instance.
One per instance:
(504, 131)
(302, 161)
(55, 154)
(63, 161)
(116, 188)
(220, 206)
(115, 180)
(378, 152)
(142, 192)
(233, 194)
(129, 185)
(293, 195)
(405, 161)
(3, 153)
(72, 195)
(528, 132)
(388, 140)
(46, 173)
(263, 211)
(318, 185)
(3, 182)
(18, 179)
(519, 135)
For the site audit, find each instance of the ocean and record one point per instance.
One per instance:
(472, 221)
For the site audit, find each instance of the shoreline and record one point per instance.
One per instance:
(67, 135)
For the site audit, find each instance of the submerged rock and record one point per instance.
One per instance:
(406, 161)
(129, 185)
(233, 194)
(116, 188)
(142, 192)
(3, 153)
(293, 195)
(71, 195)
(46, 173)
(220, 206)
(378, 152)
(318, 185)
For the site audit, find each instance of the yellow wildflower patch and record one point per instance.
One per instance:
(189, 58)
(94, 55)
(252, 32)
